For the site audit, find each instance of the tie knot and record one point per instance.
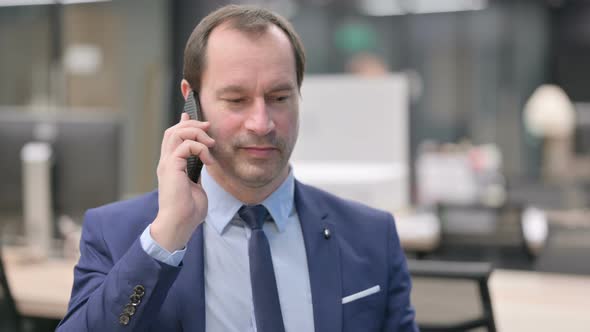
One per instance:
(253, 215)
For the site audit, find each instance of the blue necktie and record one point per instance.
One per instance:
(267, 308)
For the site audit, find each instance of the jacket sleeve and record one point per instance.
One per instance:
(400, 313)
(109, 295)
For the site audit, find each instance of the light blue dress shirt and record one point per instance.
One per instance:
(228, 293)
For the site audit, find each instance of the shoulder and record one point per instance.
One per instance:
(364, 233)
(351, 213)
(126, 216)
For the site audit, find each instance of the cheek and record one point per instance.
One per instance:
(224, 126)
(287, 124)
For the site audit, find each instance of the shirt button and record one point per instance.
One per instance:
(124, 319)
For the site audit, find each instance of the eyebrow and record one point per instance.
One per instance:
(285, 86)
(230, 89)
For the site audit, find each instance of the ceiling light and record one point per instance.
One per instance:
(11, 3)
(444, 6)
(381, 7)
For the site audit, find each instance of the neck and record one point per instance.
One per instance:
(249, 194)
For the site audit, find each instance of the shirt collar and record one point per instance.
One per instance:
(223, 206)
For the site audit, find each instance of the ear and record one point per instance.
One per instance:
(185, 88)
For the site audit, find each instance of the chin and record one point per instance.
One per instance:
(258, 175)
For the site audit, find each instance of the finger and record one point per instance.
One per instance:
(180, 135)
(195, 134)
(190, 148)
(170, 139)
(187, 124)
(184, 116)
(193, 123)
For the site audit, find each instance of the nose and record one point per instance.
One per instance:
(259, 118)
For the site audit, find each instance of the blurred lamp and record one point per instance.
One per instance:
(549, 113)
(83, 59)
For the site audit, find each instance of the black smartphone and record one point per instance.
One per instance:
(193, 108)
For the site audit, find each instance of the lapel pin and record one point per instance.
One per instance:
(327, 233)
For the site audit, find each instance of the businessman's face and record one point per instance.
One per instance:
(249, 95)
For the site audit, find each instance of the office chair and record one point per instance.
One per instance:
(10, 319)
(451, 296)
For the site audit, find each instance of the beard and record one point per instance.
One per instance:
(252, 171)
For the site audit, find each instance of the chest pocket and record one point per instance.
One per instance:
(364, 310)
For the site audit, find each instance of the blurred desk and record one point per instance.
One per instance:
(535, 301)
(41, 288)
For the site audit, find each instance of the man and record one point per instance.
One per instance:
(248, 248)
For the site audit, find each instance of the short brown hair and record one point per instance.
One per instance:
(243, 18)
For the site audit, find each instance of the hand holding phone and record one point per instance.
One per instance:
(182, 202)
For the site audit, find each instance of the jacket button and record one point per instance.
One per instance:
(124, 319)
(129, 310)
(135, 299)
(139, 290)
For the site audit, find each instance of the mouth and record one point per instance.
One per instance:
(260, 151)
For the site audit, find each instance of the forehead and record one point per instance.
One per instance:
(260, 56)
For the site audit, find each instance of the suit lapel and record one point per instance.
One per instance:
(323, 260)
(194, 274)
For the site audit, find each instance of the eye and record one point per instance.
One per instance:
(235, 100)
(280, 98)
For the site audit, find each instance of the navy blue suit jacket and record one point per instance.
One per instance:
(363, 251)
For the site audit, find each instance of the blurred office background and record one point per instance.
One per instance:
(486, 131)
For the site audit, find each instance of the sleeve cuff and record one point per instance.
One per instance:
(153, 249)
